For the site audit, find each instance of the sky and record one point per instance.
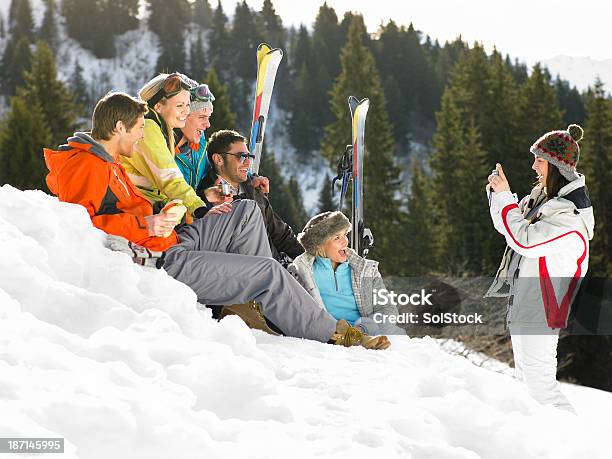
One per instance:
(530, 30)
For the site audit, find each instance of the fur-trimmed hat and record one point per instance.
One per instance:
(561, 149)
(320, 228)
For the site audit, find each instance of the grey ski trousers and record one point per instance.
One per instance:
(226, 259)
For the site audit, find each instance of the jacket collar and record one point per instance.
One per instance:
(84, 141)
(358, 264)
(571, 186)
(157, 119)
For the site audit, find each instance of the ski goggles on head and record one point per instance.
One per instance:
(242, 156)
(201, 93)
(173, 84)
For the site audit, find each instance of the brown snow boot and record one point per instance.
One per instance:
(347, 335)
(250, 313)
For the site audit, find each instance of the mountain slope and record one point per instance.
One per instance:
(581, 71)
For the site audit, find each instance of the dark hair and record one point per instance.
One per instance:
(554, 181)
(221, 141)
(113, 107)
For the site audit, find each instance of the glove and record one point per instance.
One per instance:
(139, 254)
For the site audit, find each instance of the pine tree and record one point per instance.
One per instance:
(401, 57)
(120, 15)
(284, 198)
(44, 90)
(12, 13)
(419, 225)
(272, 32)
(596, 162)
(302, 125)
(476, 128)
(539, 113)
(48, 28)
(2, 27)
(301, 51)
(272, 25)
(445, 162)
(202, 13)
(480, 247)
(167, 19)
(197, 58)
(392, 62)
(17, 54)
(16, 60)
(444, 58)
(518, 70)
(244, 38)
(498, 124)
(298, 216)
(223, 117)
(359, 77)
(327, 40)
(23, 25)
(23, 134)
(570, 101)
(219, 44)
(326, 197)
(92, 24)
(78, 86)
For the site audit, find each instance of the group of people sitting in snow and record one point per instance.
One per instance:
(148, 176)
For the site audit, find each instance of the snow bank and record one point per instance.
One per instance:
(120, 362)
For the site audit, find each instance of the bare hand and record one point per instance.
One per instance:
(261, 183)
(499, 182)
(222, 208)
(160, 225)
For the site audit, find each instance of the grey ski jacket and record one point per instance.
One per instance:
(364, 278)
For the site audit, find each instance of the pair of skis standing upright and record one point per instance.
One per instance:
(350, 166)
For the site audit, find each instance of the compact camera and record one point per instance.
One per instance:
(226, 189)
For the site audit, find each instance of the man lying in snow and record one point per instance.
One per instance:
(224, 257)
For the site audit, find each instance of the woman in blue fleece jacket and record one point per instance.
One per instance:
(339, 280)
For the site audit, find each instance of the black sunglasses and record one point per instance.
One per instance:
(243, 156)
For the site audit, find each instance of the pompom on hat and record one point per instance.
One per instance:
(561, 149)
(320, 228)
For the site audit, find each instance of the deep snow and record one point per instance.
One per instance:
(120, 362)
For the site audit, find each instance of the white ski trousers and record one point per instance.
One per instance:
(535, 363)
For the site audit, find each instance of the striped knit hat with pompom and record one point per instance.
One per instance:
(561, 149)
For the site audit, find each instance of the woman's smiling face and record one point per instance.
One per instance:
(540, 165)
(174, 110)
(335, 247)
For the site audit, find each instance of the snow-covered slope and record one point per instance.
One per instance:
(581, 71)
(119, 361)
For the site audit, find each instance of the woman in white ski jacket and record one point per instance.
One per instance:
(548, 235)
(338, 279)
